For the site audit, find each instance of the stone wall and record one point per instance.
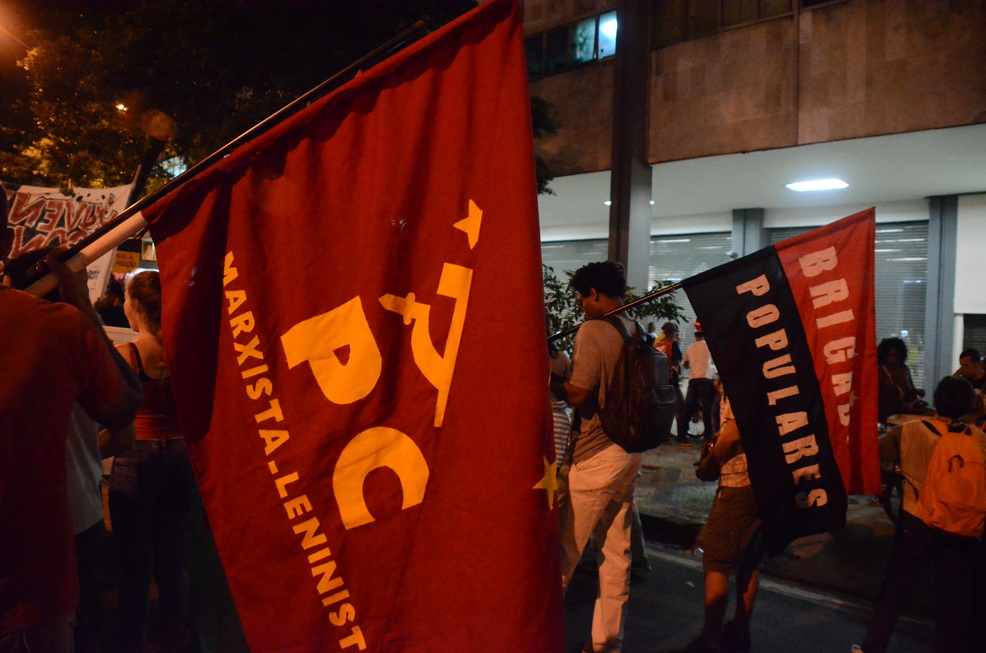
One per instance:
(582, 103)
(846, 70)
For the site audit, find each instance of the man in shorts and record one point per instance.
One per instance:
(731, 541)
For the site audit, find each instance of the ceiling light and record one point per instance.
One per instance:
(652, 202)
(818, 184)
(607, 203)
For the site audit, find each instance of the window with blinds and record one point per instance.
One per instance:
(901, 277)
(672, 258)
(974, 334)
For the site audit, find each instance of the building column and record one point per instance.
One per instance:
(748, 232)
(939, 319)
(630, 183)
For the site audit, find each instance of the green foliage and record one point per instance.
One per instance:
(544, 125)
(562, 311)
(214, 67)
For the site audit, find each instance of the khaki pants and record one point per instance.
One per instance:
(597, 498)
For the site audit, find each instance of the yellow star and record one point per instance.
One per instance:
(471, 224)
(549, 483)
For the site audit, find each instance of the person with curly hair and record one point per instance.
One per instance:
(897, 394)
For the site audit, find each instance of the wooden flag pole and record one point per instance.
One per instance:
(130, 221)
(620, 309)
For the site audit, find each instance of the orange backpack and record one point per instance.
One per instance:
(954, 494)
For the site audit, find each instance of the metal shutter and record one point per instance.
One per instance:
(672, 258)
(901, 278)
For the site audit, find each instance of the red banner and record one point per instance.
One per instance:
(353, 314)
(792, 331)
(830, 272)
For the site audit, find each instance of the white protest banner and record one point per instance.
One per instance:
(41, 217)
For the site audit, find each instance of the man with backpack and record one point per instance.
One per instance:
(600, 474)
(941, 518)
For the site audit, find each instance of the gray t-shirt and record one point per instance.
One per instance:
(598, 346)
(85, 471)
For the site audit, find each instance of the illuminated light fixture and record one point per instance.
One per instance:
(607, 203)
(121, 107)
(608, 29)
(652, 202)
(817, 184)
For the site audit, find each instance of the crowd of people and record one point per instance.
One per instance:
(597, 477)
(102, 401)
(99, 401)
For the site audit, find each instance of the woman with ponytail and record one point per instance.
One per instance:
(152, 486)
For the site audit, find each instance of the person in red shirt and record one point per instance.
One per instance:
(54, 355)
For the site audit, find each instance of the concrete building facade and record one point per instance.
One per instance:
(745, 96)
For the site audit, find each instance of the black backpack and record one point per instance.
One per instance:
(640, 399)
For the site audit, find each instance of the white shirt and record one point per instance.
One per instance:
(698, 360)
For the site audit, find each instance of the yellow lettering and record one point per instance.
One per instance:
(273, 412)
(817, 262)
(839, 350)
(835, 318)
(326, 582)
(806, 473)
(229, 272)
(758, 286)
(321, 554)
(335, 598)
(789, 422)
(778, 367)
(273, 439)
(827, 293)
(355, 639)
(236, 298)
(242, 323)
(248, 350)
(762, 316)
(798, 449)
(842, 383)
(776, 340)
(297, 507)
(261, 387)
(817, 497)
(377, 447)
(254, 371)
(282, 483)
(311, 537)
(340, 349)
(783, 393)
(346, 613)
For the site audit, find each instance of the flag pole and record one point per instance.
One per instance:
(620, 309)
(131, 221)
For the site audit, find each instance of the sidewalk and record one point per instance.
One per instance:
(848, 563)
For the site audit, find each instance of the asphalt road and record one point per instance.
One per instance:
(665, 613)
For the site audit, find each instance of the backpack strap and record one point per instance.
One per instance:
(135, 361)
(917, 495)
(621, 327)
(931, 427)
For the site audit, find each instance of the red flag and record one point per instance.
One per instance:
(830, 272)
(792, 331)
(353, 315)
